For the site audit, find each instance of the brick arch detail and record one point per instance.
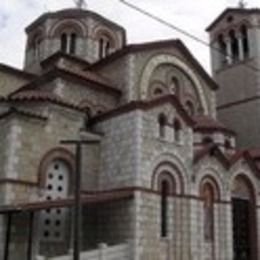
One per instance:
(76, 25)
(58, 153)
(249, 182)
(235, 27)
(172, 162)
(171, 172)
(208, 179)
(215, 177)
(157, 60)
(102, 31)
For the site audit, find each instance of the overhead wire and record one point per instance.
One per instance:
(184, 32)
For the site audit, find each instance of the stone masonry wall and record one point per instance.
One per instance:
(32, 139)
(150, 244)
(4, 139)
(156, 149)
(78, 94)
(119, 151)
(131, 75)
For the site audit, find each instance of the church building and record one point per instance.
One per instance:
(169, 164)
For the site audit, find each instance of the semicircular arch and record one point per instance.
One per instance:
(214, 176)
(170, 163)
(171, 59)
(77, 26)
(58, 153)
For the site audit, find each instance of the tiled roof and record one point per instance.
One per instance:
(254, 152)
(99, 197)
(227, 159)
(145, 105)
(203, 123)
(100, 83)
(132, 48)
(89, 75)
(233, 10)
(22, 112)
(213, 150)
(37, 95)
(72, 13)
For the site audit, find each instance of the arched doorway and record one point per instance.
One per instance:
(244, 220)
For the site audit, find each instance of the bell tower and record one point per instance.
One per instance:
(235, 57)
(77, 32)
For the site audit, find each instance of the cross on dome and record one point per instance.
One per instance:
(242, 4)
(81, 4)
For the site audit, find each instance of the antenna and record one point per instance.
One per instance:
(81, 4)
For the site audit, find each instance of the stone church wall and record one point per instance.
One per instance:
(119, 150)
(31, 140)
(82, 94)
(156, 149)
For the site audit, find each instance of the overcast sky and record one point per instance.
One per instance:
(191, 15)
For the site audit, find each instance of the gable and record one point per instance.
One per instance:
(136, 66)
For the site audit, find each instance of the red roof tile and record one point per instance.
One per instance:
(37, 95)
(203, 123)
(132, 48)
(21, 112)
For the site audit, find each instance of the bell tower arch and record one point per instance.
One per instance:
(235, 37)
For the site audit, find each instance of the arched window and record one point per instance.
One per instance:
(208, 211)
(162, 120)
(53, 221)
(190, 108)
(244, 218)
(223, 49)
(157, 92)
(64, 42)
(166, 186)
(36, 45)
(157, 89)
(207, 140)
(174, 86)
(164, 189)
(68, 42)
(244, 35)
(234, 45)
(104, 46)
(227, 144)
(73, 41)
(177, 130)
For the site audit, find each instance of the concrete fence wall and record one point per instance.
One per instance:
(118, 252)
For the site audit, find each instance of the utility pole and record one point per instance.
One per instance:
(77, 192)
